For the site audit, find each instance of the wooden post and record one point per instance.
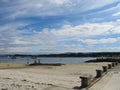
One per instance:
(104, 68)
(116, 63)
(38, 61)
(113, 64)
(85, 80)
(98, 73)
(109, 66)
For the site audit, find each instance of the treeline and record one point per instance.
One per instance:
(95, 54)
(92, 54)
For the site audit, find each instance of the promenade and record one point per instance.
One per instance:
(111, 81)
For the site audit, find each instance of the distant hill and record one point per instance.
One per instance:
(72, 54)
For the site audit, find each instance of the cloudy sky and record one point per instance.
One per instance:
(58, 26)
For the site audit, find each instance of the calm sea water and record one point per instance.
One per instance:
(45, 59)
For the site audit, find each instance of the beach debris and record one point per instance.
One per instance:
(116, 72)
(32, 86)
(35, 89)
(28, 87)
(7, 78)
(24, 80)
(18, 85)
(4, 89)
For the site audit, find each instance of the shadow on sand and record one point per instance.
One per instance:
(48, 64)
(78, 87)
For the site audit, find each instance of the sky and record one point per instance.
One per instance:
(59, 26)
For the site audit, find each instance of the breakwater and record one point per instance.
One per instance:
(105, 59)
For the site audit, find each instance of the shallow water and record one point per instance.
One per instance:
(46, 59)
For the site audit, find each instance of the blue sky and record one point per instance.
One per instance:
(58, 26)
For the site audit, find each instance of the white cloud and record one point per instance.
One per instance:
(18, 13)
(52, 40)
(93, 4)
(110, 10)
(28, 8)
(14, 38)
(85, 30)
(100, 41)
(116, 14)
(59, 2)
(115, 8)
(12, 26)
(17, 41)
(116, 29)
(109, 49)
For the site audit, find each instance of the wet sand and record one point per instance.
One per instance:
(12, 65)
(64, 77)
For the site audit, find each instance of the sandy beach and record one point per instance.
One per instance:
(64, 77)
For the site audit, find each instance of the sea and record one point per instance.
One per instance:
(46, 59)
